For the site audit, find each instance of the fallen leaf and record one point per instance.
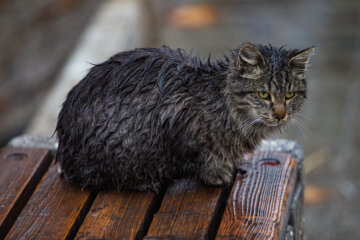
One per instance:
(193, 16)
(317, 195)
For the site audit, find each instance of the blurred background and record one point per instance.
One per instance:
(46, 46)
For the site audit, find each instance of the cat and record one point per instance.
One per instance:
(150, 115)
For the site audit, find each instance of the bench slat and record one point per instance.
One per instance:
(188, 211)
(257, 206)
(118, 216)
(21, 170)
(47, 207)
(54, 211)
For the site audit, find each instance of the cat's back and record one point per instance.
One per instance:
(115, 94)
(125, 75)
(125, 72)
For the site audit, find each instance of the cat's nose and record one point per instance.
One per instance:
(279, 113)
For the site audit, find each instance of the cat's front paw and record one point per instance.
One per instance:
(218, 178)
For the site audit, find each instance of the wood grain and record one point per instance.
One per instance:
(259, 203)
(21, 170)
(188, 211)
(54, 211)
(122, 215)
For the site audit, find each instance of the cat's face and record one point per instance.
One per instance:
(268, 83)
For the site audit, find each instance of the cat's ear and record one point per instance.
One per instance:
(299, 62)
(250, 62)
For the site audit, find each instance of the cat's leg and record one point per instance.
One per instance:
(215, 171)
(147, 176)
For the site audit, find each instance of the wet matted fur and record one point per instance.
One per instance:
(149, 115)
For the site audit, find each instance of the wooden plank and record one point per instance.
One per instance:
(21, 170)
(54, 211)
(124, 215)
(189, 210)
(259, 203)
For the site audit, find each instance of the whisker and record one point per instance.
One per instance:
(296, 123)
(302, 115)
(249, 123)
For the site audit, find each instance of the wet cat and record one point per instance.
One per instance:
(149, 115)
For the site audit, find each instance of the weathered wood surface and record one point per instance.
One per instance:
(189, 210)
(20, 171)
(258, 205)
(123, 215)
(54, 211)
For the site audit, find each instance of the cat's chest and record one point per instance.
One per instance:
(235, 144)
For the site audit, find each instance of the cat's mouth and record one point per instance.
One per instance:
(274, 123)
(269, 121)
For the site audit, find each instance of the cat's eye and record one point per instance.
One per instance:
(289, 95)
(264, 95)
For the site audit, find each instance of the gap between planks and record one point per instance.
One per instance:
(155, 217)
(120, 215)
(189, 210)
(53, 211)
(21, 169)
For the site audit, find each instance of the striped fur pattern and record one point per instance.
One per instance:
(150, 115)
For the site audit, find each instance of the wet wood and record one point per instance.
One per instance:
(257, 206)
(259, 203)
(123, 215)
(21, 170)
(188, 211)
(54, 211)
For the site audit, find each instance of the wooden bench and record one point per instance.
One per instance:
(264, 202)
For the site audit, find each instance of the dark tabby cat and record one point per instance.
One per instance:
(150, 115)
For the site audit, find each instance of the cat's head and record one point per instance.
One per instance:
(267, 84)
